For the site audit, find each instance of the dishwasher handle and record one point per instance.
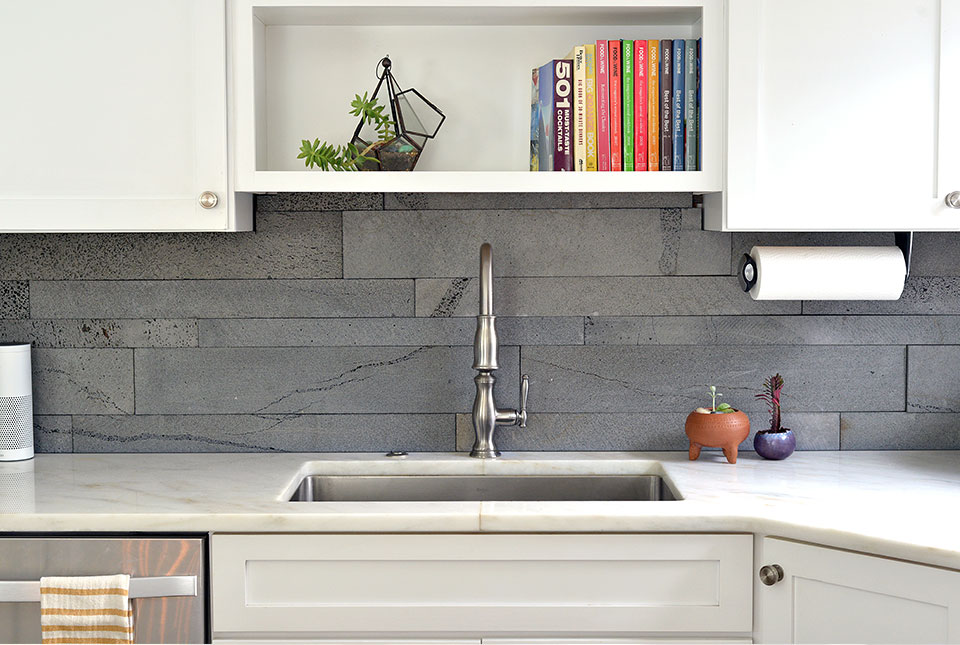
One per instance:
(147, 587)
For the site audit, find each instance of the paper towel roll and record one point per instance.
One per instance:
(828, 272)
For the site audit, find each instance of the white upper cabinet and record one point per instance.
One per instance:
(841, 115)
(832, 596)
(114, 116)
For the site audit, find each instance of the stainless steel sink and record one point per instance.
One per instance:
(482, 488)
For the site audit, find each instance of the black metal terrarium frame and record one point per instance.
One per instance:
(401, 152)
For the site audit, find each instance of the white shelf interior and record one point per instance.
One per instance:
(305, 63)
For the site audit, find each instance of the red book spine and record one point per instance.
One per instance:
(603, 106)
(640, 109)
(616, 107)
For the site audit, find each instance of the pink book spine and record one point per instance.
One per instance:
(640, 108)
(603, 106)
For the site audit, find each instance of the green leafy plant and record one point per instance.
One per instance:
(373, 114)
(347, 157)
(772, 389)
(714, 395)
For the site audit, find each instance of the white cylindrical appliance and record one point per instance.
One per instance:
(16, 403)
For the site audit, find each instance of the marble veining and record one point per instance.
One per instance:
(898, 504)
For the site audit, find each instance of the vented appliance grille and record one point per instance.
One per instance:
(16, 422)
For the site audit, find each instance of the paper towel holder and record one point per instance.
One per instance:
(747, 271)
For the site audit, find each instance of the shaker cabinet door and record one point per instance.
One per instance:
(832, 596)
(842, 115)
(114, 116)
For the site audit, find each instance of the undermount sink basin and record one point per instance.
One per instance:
(482, 488)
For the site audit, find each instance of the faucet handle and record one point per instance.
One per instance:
(524, 390)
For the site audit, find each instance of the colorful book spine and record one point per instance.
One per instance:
(690, 106)
(546, 123)
(578, 56)
(563, 114)
(591, 83)
(627, 52)
(535, 120)
(603, 105)
(699, 115)
(616, 106)
(653, 105)
(666, 105)
(640, 105)
(678, 103)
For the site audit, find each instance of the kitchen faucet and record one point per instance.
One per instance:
(486, 416)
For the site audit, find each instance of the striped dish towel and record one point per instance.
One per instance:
(86, 609)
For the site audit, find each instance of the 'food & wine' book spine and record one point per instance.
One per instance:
(640, 105)
(690, 108)
(653, 105)
(679, 49)
(616, 107)
(666, 105)
(603, 105)
(591, 100)
(627, 105)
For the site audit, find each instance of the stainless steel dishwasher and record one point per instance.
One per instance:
(167, 583)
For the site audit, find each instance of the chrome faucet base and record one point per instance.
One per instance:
(484, 453)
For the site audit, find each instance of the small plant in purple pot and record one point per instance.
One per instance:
(777, 442)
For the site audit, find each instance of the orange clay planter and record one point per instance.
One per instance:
(720, 430)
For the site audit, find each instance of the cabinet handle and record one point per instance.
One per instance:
(208, 199)
(771, 574)
(953, 199)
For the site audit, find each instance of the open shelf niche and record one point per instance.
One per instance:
(298, 64)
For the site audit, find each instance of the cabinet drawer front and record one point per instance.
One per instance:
(482, 583)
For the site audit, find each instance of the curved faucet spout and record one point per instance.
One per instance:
(486, 415)
(486, 279)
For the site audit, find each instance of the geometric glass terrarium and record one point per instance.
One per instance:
(415, 120)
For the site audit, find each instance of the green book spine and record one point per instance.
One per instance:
(627, 58)
(690, 111)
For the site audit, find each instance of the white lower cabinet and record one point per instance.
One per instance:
(536, 588)
(832, 596)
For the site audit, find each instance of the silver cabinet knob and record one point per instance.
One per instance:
(771, 574)
(208, 199)
(953, 199)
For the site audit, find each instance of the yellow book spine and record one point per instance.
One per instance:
(591, 100)
(579, 119)
(653, 104)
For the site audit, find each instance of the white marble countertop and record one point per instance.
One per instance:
(899, 504)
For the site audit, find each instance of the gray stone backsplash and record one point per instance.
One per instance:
(345, 323)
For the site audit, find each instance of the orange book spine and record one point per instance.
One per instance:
(653, 104)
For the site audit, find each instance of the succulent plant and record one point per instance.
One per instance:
(348, 156)
(714, 406)
(772, 388)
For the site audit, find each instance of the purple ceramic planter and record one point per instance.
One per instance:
(775, 445)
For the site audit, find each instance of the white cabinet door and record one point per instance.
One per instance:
(832, 596)
(114, 116)
(418, 586)
(841, 115)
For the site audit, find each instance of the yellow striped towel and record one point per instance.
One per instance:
(86, 609)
